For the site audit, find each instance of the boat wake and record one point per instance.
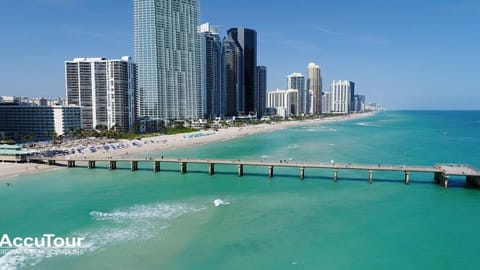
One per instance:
(138, 222)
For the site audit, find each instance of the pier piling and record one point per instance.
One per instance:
(473, 180)
(442, 179)
(370, 176)
(71, 164)
(302, 173)
(91, 164)
(407, 178)
(112, 165)
(211, 169)
(156, 166)
(335, 175)
(270, 171)
(240, 169)
(133, 166)
(183, 167)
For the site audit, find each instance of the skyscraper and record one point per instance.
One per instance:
(232, 77)
(240, 56)
(167, 51)
(297, 81)
(314, 86)
(343, 97)
(105, 89)
(261, 77)
(212, 69)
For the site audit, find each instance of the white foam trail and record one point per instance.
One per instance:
(144, 212)
(320, 129)
(137, 222)
(369, 124)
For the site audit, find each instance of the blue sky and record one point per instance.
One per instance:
(403, 54)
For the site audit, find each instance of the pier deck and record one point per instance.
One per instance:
(441, 171)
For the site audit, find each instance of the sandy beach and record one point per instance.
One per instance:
(123, 148)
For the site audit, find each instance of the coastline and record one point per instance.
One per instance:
(8, 171)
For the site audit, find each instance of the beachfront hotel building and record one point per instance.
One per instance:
(240, 63)
(343, 97)
(30, 122)
(285, 102)
(104, 89)
(314, 86)
(297, 81)
(167, 51)
(212, 69)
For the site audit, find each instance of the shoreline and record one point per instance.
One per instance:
(9, 171)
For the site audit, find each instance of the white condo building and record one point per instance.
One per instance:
(285, 102)
(327, 102)
(343, 94)
(104, 89)
(297, 81)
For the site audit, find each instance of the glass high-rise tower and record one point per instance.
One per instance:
(297, 81)
(211, 55)
(261, 85)
(167, 52)
(240, 56)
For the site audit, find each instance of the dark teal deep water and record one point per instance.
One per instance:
(143, 220)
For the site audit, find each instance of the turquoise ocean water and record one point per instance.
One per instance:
(143, 220)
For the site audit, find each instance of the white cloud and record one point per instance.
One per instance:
(328, 31)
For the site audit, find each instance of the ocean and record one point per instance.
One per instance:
(165, 220)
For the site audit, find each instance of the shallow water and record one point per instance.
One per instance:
(166, 220)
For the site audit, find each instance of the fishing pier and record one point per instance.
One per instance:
(441, 172)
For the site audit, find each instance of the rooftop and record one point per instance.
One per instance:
(11, 150)
(10, 147)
